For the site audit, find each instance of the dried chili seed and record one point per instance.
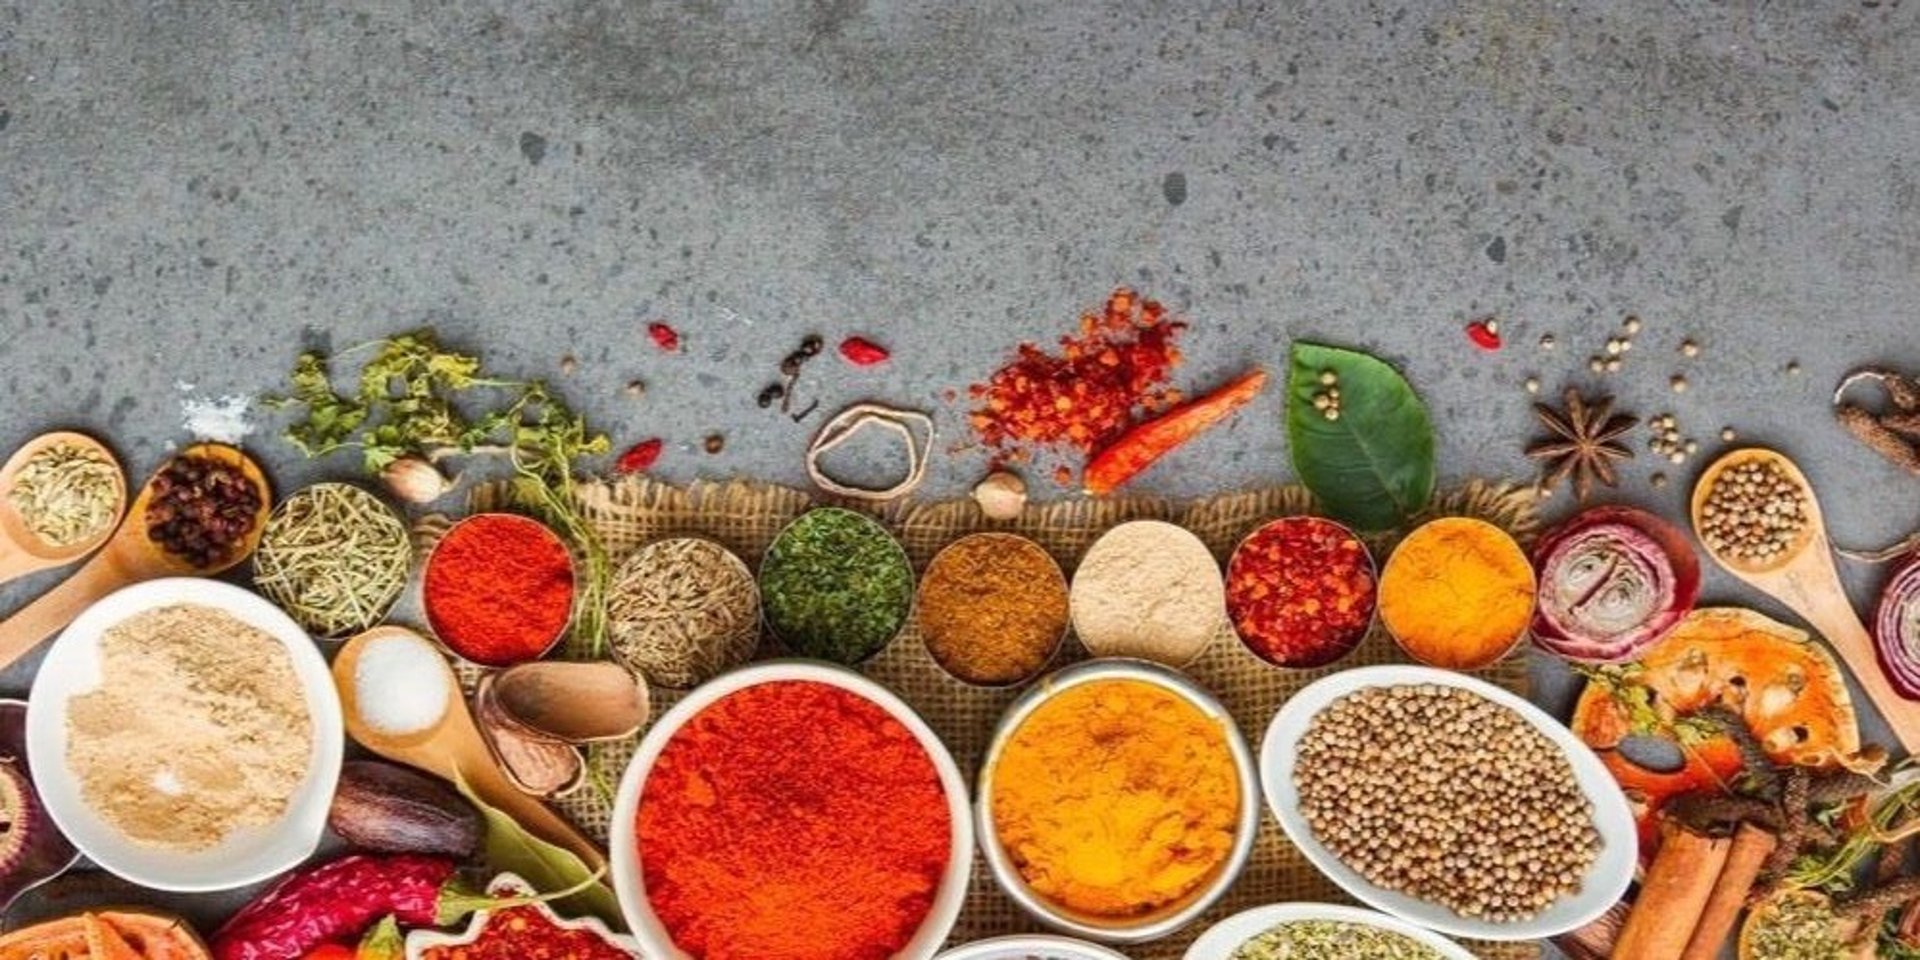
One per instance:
(1301, 591)
(1485, 334)
(664, 337)
(862, 352)
(639, 457)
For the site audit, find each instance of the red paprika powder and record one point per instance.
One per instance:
(499, 589)
(793, 820)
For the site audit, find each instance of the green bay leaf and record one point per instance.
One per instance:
(1373, 467)
(550, 869)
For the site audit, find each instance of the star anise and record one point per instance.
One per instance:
(1583, 445)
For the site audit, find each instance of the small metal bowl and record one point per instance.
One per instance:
(1058, 577)
(445, 639)
(1175, 915)
(1373, 606)
(766, 611)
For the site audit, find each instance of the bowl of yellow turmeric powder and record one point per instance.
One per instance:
(1117, 801)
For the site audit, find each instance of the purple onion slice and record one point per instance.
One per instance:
(1896, 630)
(1613, 581)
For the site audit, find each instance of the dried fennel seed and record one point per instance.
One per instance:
(334, 557)
(1320, 939)
(680, 611)
(1446, 796)
(66, 494)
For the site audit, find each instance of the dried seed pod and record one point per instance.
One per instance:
(392, 809)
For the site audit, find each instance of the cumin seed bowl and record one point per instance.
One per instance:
(1169, 917)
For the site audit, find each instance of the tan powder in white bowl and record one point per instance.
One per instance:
(1148, 589)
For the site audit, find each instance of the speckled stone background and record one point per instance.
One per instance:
(191, 192)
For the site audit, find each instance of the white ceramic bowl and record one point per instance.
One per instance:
(1604, 883)
(418, 942)
(72, 667)
(1221, 939)
(628, 883)
(1035, 945)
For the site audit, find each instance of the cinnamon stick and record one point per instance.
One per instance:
(1749, 850)
(1673, 895)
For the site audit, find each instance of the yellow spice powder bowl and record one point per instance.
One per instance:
(1165, 918)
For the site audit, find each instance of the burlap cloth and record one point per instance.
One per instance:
(746, 516)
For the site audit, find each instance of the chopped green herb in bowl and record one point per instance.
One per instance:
(836, 585)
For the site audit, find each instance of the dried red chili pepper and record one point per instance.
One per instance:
(862, 352)
(639, 457)
(1300, 591)
(1088, 394)
(1485, 334)
(1139, 447)
(340, 899)
(664, 337)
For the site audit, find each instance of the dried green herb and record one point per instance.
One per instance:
(404, 403)
(1304, 939)
(836, 585)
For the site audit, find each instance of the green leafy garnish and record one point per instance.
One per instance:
(1370, 463)
(510, 848)
(403, 403)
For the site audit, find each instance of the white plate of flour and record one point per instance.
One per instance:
(217, 813)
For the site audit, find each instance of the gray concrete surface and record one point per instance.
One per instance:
(191, 192)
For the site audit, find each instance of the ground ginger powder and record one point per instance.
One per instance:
(199, 728)
(1116, 798)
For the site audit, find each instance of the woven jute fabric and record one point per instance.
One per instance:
(747, 516)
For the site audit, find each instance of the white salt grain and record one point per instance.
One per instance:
(400, 685)
(219, 419)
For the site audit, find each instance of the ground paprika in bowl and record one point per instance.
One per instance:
(499, 589)
(791, 810)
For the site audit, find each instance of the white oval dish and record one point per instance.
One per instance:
(1221, 939)
(72, 667)
(1033, 945)
(418, 942)
(628, 881)
(1604, 883)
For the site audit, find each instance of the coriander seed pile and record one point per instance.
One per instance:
(1754, 512)
(1444, 795)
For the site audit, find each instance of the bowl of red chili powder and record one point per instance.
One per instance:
(499, 589)
(791, 810)
(1301, 591)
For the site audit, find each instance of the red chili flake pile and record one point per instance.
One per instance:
(639, 457)
(1485, 333)
(862, 352)
(664, 337)
(526, 933)
(1116, 369)
(1300, 591)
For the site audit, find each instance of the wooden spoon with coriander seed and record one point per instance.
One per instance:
(22, 551)
(132, 555)
(451, 748)
(1792, 561)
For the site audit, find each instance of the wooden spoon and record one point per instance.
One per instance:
(21, 551)
(129, 557)
(1804, 578)
(452, 749)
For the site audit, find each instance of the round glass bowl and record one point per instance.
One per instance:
(992, 609)
(510, 589)
(835, 585)
(1167, 917)
(1301, 591)
(1148, 589)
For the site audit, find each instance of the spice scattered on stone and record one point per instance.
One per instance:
(1443, 795)
(1754, 512)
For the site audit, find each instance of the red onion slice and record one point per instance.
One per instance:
(1613, 581)
(1896, 630)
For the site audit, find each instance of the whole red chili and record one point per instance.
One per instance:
(499, 589)
(1300, 591)
(1485, 334)
(793, 820)
(862, 352)
(1138, 448)
(339, 900)
(664, 337)
(639, 457)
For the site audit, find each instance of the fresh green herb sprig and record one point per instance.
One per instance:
(1892, 816)
(404, 403)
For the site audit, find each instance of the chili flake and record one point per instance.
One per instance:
(1485, 334)
(639, 457)
(529, 933)
(1301, 592)
(664, 337)
(1114, 370)
(862, 352)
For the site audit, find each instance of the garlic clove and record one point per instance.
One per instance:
(1002, 495)
(415, 479)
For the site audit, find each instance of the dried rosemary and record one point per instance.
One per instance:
(334, 557)
(681, 611)
(66, 494)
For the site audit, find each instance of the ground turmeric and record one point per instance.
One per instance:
(1116, 798)
(1457, 593)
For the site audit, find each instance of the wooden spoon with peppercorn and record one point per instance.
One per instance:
(22, 549)
(201, 513)
(1755, 513)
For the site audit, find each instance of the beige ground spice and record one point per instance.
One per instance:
(198, 729)
(1148, 589)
